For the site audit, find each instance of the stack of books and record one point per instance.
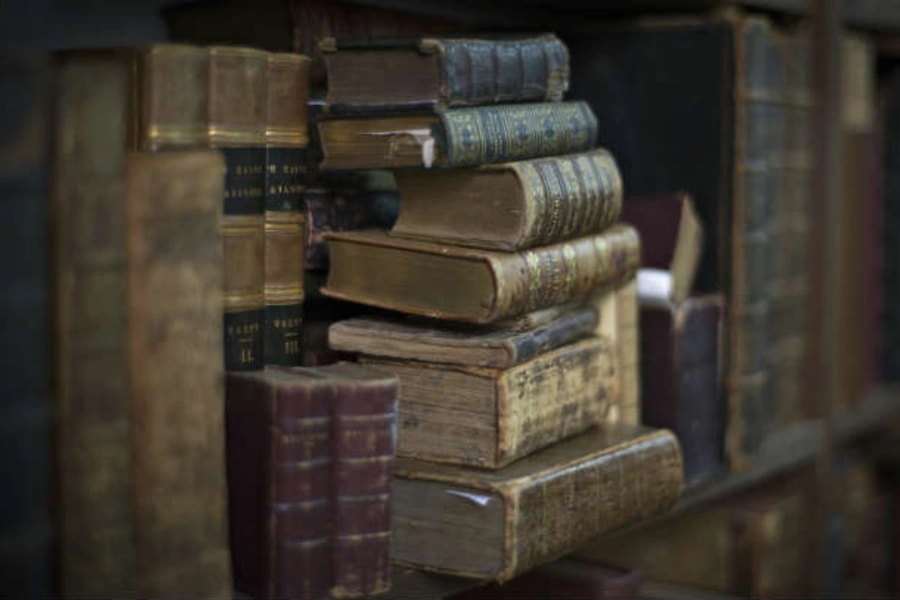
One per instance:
(509, 450)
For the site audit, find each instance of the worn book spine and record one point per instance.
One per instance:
(88, 282)
(627, 344)
(758, 134)
(279, 476)
(237, 126)
(287, 163)
(364, 443)
(469, 137)
(475, 72)
(174, 349)
(336, 209)
(29, 540)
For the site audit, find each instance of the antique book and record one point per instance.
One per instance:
(478, 286)
(564, 579)
(29, 533)
(533, 202)
(672, 238)
(733, 122)
(440, 342)
(330, 209)
(310, 453)
(425, 73)
(537, 318)
(498, 524)
(238, 89)
(680, 350)
(460, 137)
(489, 417)
(751, 547)
(286, 165)
(174, 374)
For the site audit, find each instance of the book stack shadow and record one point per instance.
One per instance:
(508, 301)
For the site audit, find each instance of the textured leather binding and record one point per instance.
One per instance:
(287, 163)
(475, 71)
(680, 353)
(425, 340)
(174, 374)
(237, 126)
(27, 543)
(469, 137)
(330, 209)
(514, 411)
(320, 443)
(553, 501)
(523, 281)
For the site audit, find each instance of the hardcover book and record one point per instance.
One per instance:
(672, 239)
(440, 342)
(498, 524)
(532, 203)
(370, 74)
(478, 286)
(137, 256)
(490, 417)
(461, 137)
(287, 160)
(751, 547)
(310, 455)
(681, 368)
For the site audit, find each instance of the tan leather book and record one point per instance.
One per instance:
(441, 342)
(498, 524)
(287, 162)
(490, 417)
(175, 374)
(478, 286)
(751, 547)
(138, 342)
(532, 203)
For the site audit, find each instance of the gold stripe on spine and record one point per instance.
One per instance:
(245, 236)
(288, 224)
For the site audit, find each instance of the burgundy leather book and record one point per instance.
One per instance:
(310, 457)
(680, 375)
(564, 579)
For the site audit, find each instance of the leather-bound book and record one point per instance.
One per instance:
(471, 285)
(672, 239)
(343, 209)
(174, 374)
(440, 342)
(460, 137)
(238, 88)
(498, 524)
(310, 453)
(751, 547)
(366, 75)
(28, 538)
(681, 356)
(286, 164)
(489, 417)
(533, 202)
(564, 579)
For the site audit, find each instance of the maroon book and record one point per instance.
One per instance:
(310, 456)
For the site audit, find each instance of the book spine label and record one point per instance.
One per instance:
(286, 171)
(569, 196)
(299, 552)
(562, 510)
(175, 374)
(551, 275)
(492, 134)
(476, 72)
(243, 231)
(329, 210)
(364, 445)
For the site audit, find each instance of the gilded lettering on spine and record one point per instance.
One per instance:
(491, 134)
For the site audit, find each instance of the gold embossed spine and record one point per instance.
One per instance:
(174, 96)
(238, 100)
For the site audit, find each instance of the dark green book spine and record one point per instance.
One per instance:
(491, 134)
